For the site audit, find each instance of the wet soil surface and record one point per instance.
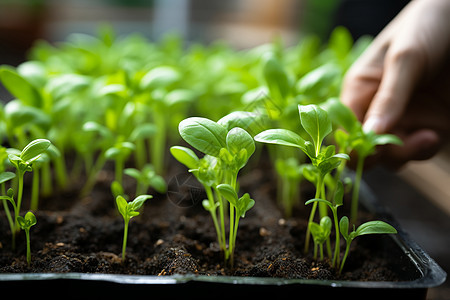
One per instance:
(175, 235)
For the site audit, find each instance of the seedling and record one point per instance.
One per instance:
(25, 224)
(146, 178)
(10, 197)
(23, 162)
(238, 208)
(320, 233)
(371, 227)
(353, 137)
(226, 152)
(129, 210)
(338, 201)
(316, 123)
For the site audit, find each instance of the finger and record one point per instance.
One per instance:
(419, 145)
(402, 69)
(361, 82)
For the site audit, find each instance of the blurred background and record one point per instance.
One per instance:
(418, 195)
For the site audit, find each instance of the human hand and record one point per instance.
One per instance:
(401, 84)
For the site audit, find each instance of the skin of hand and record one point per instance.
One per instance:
(401, 83)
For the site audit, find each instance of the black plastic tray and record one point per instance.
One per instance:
(418, 268)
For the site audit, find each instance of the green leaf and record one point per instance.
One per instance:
(244, 204)
(138, 202)
(238, 139)
(383, 139)
(276, 79)
(228, 192)
(6, 176)
(319, 200)
(34, 149)
(375, 227)
(27, 222)
(281, 137)
(341, 114)
(339, 194)
(249, 121)
(122, 205)
(185, 156)
(203, 134)
(160, 77)
(343, 227)
(316, 123)
(19, 87)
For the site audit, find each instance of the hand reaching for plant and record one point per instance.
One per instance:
(401, 83)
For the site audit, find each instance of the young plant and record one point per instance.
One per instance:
(320, 233)
(317, 124)
(146, 178)
(10, 197)
(371, 227)
(227, 151)
(119, 153)
(338, 201)
(129, 210)
(207, 174)
(353, 137)
(238, 208)
(23, 162)
(25, 224)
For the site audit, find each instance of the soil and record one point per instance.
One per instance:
(175, 235)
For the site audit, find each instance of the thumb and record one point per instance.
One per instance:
(401, 73)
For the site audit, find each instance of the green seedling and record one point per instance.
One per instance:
(12, 225)
(316, 123)
(23, 162)
(146, 178)
(338, 201)
(227, 151)
(129, 210)
(371, 227)
(238, 208)
(320, 233)
(119, 153)
(25, 224)
(353, 137)
(291, 174)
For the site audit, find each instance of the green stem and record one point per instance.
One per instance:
(35, 190)
(337, 247)
(230, 238)
(27, 233)
(356, 187)
(159, 142)
(312, 214)
(19, 199)
(7, 211)
(119, 169)
(90, 182)
(347, 249)
(214, 216)
(125, 237)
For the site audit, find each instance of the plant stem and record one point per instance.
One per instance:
(214, 216)
(27, 234)
(35, 190)
(9, 217)
(347, 249)
(125, 237)
(312, 214)
(19, 199)
(337, 246)
(355, 194)
(230, 238)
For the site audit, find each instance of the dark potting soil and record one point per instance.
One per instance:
(175, 235)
